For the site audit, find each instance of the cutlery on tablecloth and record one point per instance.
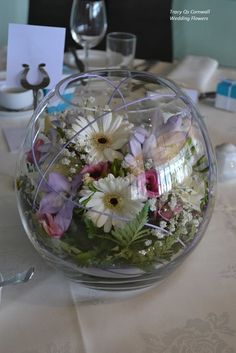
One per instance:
(146, 65)
(207, 95)
(20, 277)
(78, 62)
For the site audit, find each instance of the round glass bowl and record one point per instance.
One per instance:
(116, 178)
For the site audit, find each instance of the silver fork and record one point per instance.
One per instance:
(20, 277)
(145, 65)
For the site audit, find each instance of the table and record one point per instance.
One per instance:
(192, 311)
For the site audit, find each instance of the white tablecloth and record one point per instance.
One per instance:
(192, 311)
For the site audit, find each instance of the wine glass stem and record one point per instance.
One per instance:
(86, 57)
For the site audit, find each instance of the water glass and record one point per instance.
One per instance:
(120, 48)
(88, 24)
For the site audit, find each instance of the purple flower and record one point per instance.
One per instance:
(56, 206)
(136, 141)
(174, 130)
(134, 159)
(174, 123)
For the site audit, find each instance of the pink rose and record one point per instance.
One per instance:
(151, 183)
(37, 152)
(147, 184)
(50, 227)
(96, 171)
(167, 213)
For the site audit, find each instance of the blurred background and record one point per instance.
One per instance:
(158, 37)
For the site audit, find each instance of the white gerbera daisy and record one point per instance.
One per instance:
(104, 137)
(113, 198)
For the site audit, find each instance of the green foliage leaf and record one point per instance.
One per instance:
(90, 227)
(60, 132)
(116, 168)
(133, 231)
(201, 165)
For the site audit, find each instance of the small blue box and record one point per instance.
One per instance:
(226, 95)
(60, 105)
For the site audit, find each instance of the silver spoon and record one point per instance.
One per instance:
(20, 277)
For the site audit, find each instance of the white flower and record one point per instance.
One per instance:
(159, 234)
(72, 170)
(193, 192)
(148, 242)
(91, 99)
(173, 202)
(113, 198)
(163, 224)
(103, 138)
(149, 163)
(65, 161)
(66, 152)
(152, 204)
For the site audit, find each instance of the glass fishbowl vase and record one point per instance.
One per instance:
(116, 178)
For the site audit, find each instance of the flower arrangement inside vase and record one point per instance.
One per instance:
(115, 183)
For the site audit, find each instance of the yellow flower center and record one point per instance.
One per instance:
(113, 201)
(101, 141)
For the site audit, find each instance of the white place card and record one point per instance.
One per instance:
(33, 45)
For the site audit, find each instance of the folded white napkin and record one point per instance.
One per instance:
(194, 72)
(14, 137)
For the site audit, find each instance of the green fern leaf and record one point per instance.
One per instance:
(132, 231)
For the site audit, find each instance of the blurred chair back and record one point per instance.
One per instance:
(52, 13)
(149, 20)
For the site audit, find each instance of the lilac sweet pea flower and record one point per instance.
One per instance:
(174, 130)
(134, 159)
(52, 146)
(43, 148)
(167, 144)
(55, 210)
(174, 123)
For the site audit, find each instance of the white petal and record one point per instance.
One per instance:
(108, 225)
(85, 196)
(93, 216)
(75, 127)
(107, 119)
(110, 154)
(101, 220)
(94, 124)
(103, 185)
(116, 122)
(94, 201)
(119, 143)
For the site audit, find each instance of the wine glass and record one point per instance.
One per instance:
(88, 24)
